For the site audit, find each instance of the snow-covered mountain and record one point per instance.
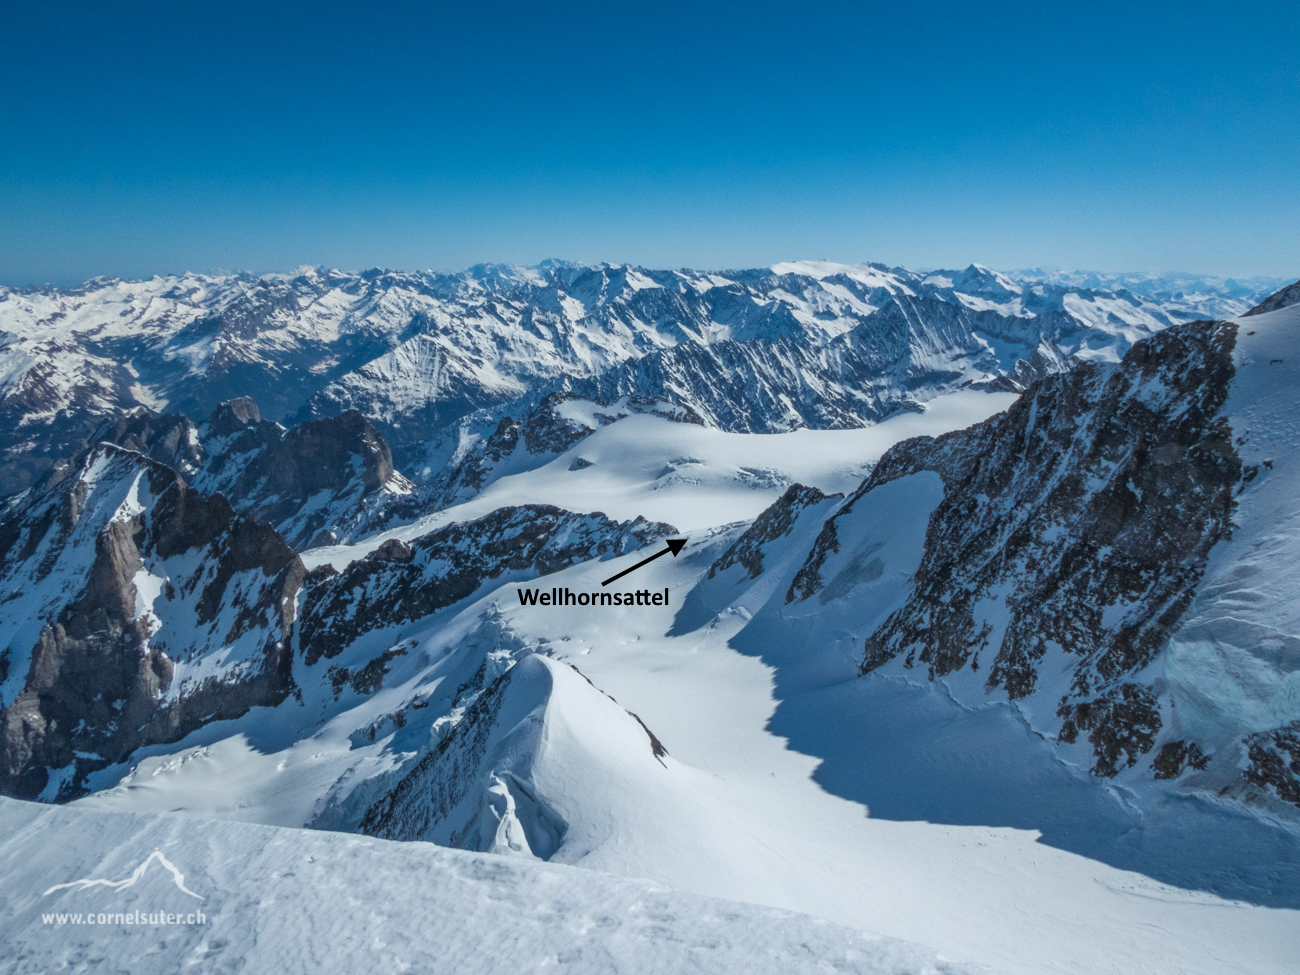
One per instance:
(1185, 296)
(982, 638)
(415, 352)
(1086, 554)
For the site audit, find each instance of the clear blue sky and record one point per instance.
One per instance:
(141, 138)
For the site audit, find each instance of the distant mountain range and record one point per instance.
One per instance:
(801, 344)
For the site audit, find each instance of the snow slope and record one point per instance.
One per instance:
(690, 476)
(732, 811)
(1234, 664)
(306, 901)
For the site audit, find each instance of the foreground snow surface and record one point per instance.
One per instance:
(285, 900)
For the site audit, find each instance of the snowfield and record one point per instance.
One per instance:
(281, 900)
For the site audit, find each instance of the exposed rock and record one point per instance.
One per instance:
(1122, 725)
(1176, 756)
(775, 522)
(450, 564)
(1290, 295)
(232, 416)
(1275, 761)
(1079, 521)
(121, 581)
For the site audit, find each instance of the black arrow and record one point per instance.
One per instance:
(674, 546)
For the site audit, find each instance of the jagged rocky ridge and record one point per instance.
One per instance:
(416, 352)
(397, 582)
(317, 483)
(1063, 557)
(136, 610)
(1080, 520)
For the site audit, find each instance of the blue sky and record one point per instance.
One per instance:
(142, 138)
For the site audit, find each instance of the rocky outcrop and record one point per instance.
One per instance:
(398, 583)
(775, 522)
(122, 584)
(316, 483)
(1288, 296)
(1275, 761)
(1078, 523)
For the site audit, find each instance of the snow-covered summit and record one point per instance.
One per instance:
(415, 351)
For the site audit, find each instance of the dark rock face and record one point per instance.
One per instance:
(1080, 520)
(1176, 756)
(1290, 295)
(116, 625)
(775, 522)
(1275, 761)
(232, 416)
(391, 586)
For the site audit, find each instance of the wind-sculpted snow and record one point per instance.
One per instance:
(485, 786)
(289, 901)
(414, 352)
(399, 582)
(136, 609)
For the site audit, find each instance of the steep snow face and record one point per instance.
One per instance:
(475, 913)
(136, 610)
(1233, 667)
